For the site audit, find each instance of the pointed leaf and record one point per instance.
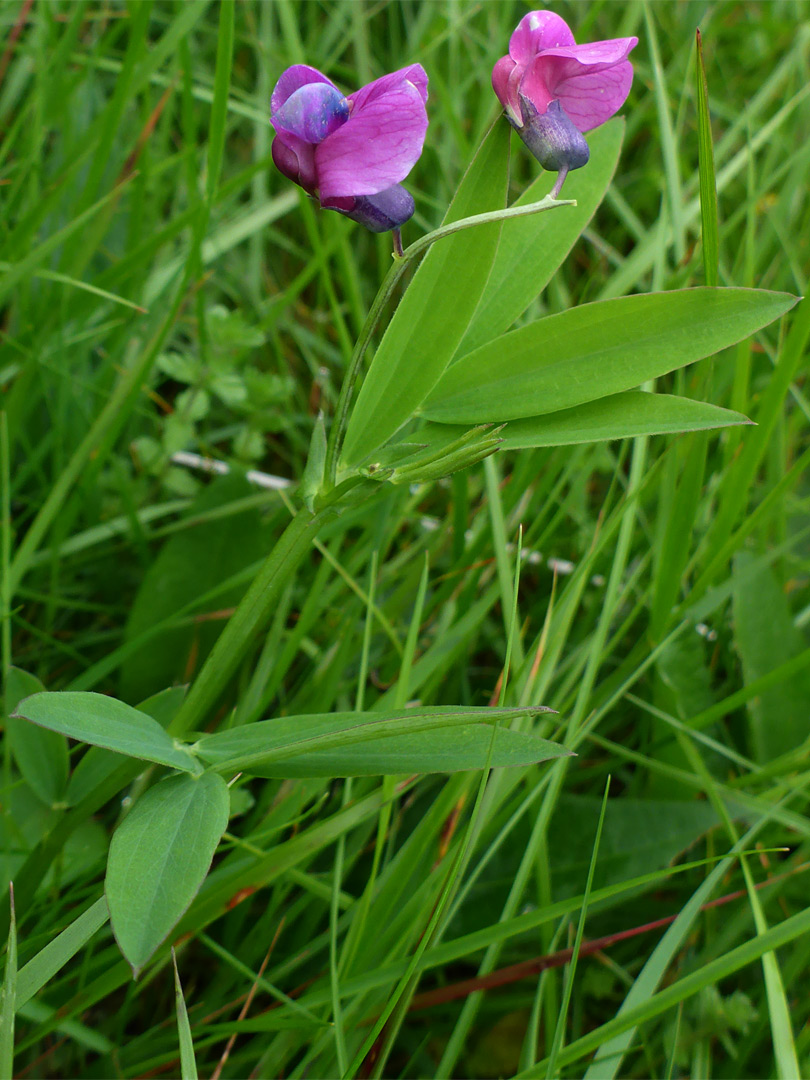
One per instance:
(159, 857)
(103, 721)
(595, 350)
(620, 416)
(443, 739)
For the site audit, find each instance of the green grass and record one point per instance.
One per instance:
(162, 288)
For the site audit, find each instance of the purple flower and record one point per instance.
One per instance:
(351, 152)
(553, 90)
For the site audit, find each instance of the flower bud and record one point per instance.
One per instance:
(553, 137)
(386, 210)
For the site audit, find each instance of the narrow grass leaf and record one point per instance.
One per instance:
(9, 1005)
(41, 968)
(682, 989)
(709, 227)
(159, 857)
(188, 1064)
(559, 1031)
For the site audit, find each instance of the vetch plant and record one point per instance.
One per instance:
(451, 382)
(351, 152)
(554, 90)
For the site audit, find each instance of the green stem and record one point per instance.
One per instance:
(254, 609)
(341, 421)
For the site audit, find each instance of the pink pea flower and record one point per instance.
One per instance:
(351, 152)
(553, 90)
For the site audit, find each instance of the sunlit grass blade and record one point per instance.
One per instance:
(9, 1006)
(709, 231)
(559, 1031)
(188, 1063)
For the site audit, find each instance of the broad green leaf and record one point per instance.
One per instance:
(620, 416)
(41, 755)
(159, 857)
(443, 739)
(97, 765)
(595, 350)
(433, 315)
(766, 637)
(104, 721)
(532, 248)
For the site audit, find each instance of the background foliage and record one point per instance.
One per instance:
(158, 295)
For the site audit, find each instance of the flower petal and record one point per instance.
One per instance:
(592, 98)
(312, 112)
(537, 31)
(295, 159)
(414, 74)
(591, 81)
(293, 79)
(505, 82)
(377, 146)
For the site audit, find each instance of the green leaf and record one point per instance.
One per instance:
(709, 227)
(188, 1064)
(41, 755)
(620, 416)
(104, 721)
(532, 248)
(595, 350)
(97, 765)
(41, 968)
(436, 309)
(159, 857)
(442, 739)
(9, 996)
(766, 637)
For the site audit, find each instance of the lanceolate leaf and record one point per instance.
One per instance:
(595, 350)
(620, 416)
(104, 721)
(532, 248)
(369, 744)
(159, 858)
(436, 308)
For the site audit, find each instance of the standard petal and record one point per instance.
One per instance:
(537, 31)
(414, 74)
(376, 148)
(312, 112)
(293, 79)
(592, 97)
